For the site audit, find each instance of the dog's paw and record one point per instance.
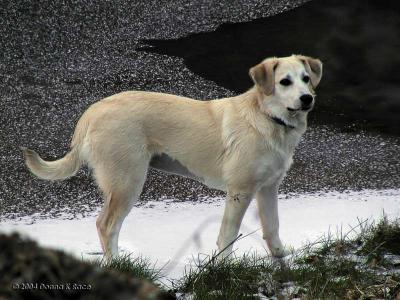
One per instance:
(280, 252)
(276, 248)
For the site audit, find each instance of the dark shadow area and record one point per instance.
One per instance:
(358, 41)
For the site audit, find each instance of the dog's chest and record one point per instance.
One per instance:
(271, 167)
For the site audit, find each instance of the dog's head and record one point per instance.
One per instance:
(287, 84)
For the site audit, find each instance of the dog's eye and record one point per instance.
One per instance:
(285, 82)
(306, 79)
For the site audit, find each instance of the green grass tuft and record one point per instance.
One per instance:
(383, 238)
(226, 278)
(139, 267)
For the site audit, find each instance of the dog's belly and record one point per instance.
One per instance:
(215, 183)
(167, 164)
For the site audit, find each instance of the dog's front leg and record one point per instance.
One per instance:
(267, 201)
(235, 207)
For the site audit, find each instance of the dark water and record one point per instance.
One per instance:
(358, 42)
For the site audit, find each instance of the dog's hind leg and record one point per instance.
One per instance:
(121, 187)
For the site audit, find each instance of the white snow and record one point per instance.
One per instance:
(172, 233)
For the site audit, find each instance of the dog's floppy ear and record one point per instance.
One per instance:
(263, 75)
(313, 67)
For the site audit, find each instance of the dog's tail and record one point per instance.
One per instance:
(64, 167)
(52, 170)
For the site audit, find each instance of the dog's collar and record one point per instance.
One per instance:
(281, 122)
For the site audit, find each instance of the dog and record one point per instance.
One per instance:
(242, 145)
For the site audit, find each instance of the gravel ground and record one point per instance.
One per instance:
(57, 59)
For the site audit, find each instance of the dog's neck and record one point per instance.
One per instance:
(281, 122)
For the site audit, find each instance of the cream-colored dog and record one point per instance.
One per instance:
(242, 145)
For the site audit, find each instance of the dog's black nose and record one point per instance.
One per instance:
(306, 99)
